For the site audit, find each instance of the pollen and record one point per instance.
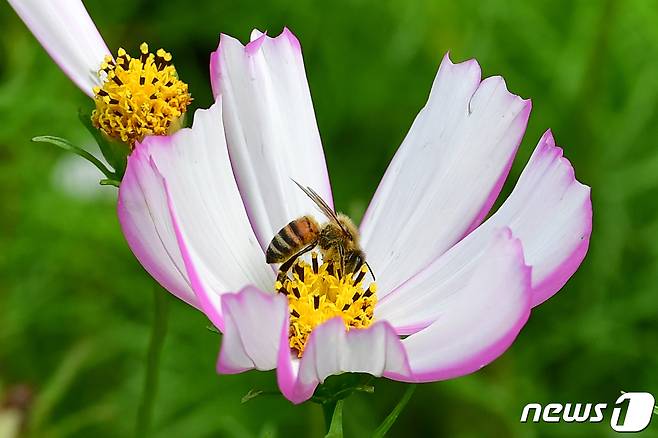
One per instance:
(139, 96)
(317, 293)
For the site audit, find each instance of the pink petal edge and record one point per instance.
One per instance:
(130, 182)
(274, 302)
(552, 284)
(251, 49)
(289, 367)
(202, 294)
(496, 349)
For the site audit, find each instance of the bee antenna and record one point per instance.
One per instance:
(371, 273)
(298, 184)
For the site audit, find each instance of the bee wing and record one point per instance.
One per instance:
(322, 205)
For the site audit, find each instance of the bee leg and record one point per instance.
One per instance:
(285, 267)
(341, 254)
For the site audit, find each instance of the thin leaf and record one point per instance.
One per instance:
(390, 420)
(68, 146)
(58, 385)
(212, 328)
(336, 427)
(253, 393)
(77, 421)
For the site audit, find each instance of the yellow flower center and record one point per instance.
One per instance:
(139, 96)
(318, 293)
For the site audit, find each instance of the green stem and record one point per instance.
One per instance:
(390, 420)
(158, 332)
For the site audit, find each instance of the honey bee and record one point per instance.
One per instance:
(337, 239)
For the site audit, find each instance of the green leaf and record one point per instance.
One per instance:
(115, 153)
(390, 420)
(70, 147)
(336, 427)
(253, 393)
(110, 182)
(212, 328)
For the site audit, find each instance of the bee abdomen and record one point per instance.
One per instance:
(291, 239)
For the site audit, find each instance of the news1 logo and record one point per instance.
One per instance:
(631, 412)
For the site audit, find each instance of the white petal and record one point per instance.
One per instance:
(421, 300)
(146, 224)
(551, 212)
(253, 321)
(201, 224)
(270, 128)
(333, 350)
(255, 34)
(68, 34)
(548, 210)
(478, 320)
(446, 174)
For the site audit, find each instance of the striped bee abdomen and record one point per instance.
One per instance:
(292, 238)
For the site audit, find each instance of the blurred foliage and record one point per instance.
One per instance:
(75, 306)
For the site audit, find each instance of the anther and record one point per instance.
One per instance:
(362, 274)
(300, 272)
(295, 291)
(314, 261)
(316, 302)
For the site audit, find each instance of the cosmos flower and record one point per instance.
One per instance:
(134, 97)
(200, 207)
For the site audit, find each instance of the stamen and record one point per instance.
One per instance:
(139, 96)
(314, 260)
(362, 274)
(300, 272)
(317, 293)
(330, 268)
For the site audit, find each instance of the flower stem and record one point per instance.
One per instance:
(158, 332)
(383, 428)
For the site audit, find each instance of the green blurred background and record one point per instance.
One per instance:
(76, 307)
